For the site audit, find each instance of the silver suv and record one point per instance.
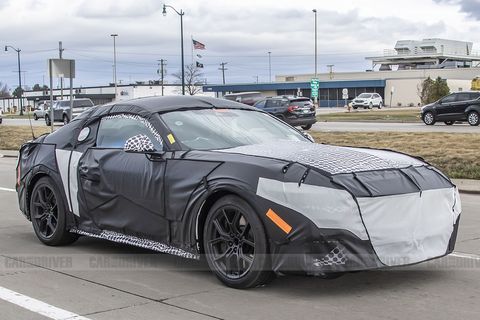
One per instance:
(61, 110)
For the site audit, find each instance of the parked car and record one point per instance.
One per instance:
(368, 100)
(61, 110)
(205, 177)
(460, 106)
(296, 111)
(249, 98)
(40, 110)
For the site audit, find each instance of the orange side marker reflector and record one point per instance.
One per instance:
(282, 224)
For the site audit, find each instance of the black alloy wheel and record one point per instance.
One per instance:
(48, 214)
(235, 244)
(307, 127)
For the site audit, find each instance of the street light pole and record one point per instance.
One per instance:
(269, 66)
(19, 77)
(114, 35)
(181, 13)
(315, 13)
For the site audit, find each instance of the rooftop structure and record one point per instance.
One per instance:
(427, 54)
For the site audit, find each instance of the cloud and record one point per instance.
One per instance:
(470, 7)
(110, 9)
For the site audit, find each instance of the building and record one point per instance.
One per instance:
(396, 76)
(98, 94)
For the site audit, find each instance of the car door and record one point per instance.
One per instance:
(123, 191)
(445, 108)
(462, 101)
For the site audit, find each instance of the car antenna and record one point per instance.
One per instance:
(31, 126)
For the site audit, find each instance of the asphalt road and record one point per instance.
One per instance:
(395, 127)
(97, 279)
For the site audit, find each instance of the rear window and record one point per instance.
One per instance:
(82, 103)
(301, 102)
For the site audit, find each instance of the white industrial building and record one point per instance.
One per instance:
(400, 71)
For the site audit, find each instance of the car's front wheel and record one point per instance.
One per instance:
(307, 127)
(473, 118)
(428, 118)
(47, 121)
(235, 244)
(48, 214)
(35, 117)
(65, 119)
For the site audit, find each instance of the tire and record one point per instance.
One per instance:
(235, 244)
(428, 118)
(449, 123)
(370, 106)
(473, 118)
(47, 121)
(35, 117)
(355, 108)
(307, 127)
(65, 119)
(380, 106)
(48, 214)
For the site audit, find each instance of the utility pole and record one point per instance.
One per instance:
(256, 78)
(269, 66)
(162, 64)
(330, 70)
(60, 55)
(222, 67)
(114, 35)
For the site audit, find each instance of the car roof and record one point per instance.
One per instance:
(158, 104)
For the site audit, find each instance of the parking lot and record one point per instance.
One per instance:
(102, 280)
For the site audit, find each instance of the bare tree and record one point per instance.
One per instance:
(193, 79)
(4, 91)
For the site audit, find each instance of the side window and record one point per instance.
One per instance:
(463, 96)
(474, 95)
(260, 104)
(115, 130)
(448, 99)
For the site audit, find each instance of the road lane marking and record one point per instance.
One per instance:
(7, 189)
(465, 255)
(38, 306)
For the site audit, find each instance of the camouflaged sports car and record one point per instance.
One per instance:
(204, 177)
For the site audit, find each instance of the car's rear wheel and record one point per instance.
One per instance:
(65, 119)
(235, 244)
(428, 118)
(449, 123)
(307, 127)
(380, 105)
(48, 214)
(473, 118)
(47, 121)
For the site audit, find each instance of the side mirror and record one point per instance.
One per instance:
(308, 136)
(139, 143)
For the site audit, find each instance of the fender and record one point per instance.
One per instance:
(473, 107)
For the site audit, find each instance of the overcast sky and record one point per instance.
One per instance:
(238, 32)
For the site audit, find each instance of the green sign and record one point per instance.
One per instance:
(314, 85)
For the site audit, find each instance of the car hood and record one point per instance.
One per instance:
(328, 158)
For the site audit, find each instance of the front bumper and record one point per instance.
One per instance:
(334, 251)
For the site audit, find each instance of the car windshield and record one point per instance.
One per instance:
(207, 129)
(365, 95)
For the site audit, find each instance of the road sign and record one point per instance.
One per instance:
(345, 91)
(314, 86)
(345, 96)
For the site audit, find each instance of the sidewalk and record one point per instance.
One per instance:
(464, 185)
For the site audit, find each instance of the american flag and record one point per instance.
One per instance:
(198, 45)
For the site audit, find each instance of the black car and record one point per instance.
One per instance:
(205, 177)
(296, 111)
(460, 106)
